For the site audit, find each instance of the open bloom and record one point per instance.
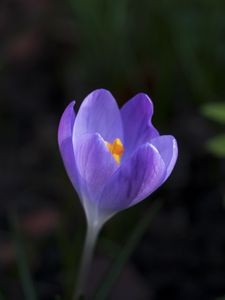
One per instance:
(114, 157)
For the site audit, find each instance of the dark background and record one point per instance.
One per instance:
(54, 51)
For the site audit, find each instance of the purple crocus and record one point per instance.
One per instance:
(114, 157)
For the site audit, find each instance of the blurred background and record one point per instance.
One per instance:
(54, 51)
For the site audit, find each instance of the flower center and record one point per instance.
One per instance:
(116, 148)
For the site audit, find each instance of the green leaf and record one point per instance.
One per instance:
(23, 269)
(214, 111)
(216, 145)
(123, 257)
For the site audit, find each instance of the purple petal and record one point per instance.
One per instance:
(136, 179)
(95, 164)
(136, 116)
(167, 147)
(99, 113)
(65, 141)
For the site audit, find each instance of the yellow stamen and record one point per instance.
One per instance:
(116, 148)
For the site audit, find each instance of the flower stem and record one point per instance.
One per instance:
(89, 245)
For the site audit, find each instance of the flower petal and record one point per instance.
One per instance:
(136, 179)
(95, 164)
(99, 113)
(65, 141)
(136, 116)
(167, 147)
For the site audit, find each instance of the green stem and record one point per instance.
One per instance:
(89, 245)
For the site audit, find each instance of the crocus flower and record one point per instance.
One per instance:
(114, 157)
